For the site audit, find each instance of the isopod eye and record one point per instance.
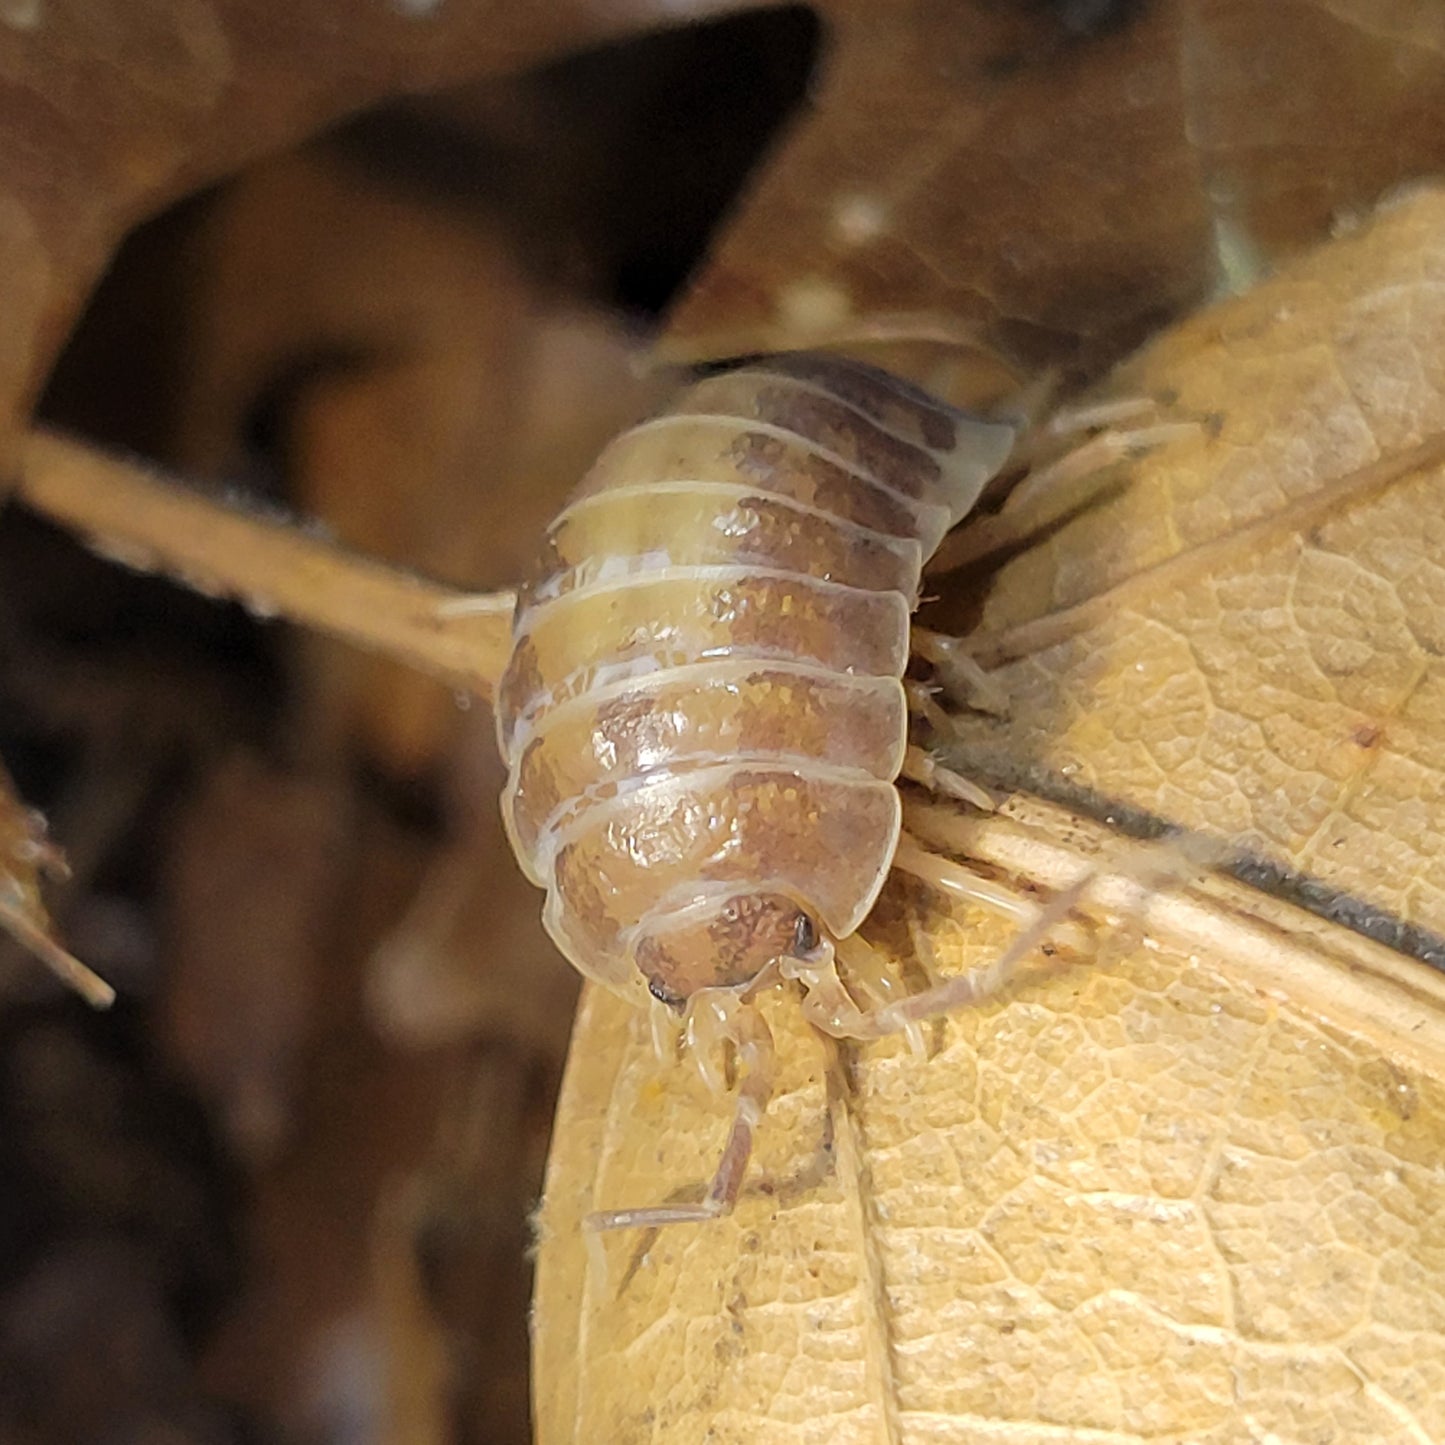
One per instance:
(663, 995)
(805, 935)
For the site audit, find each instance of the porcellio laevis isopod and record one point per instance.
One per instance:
(704, 716)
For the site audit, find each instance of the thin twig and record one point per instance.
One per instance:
(274, 567)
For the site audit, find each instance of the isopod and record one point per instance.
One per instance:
(704, 716)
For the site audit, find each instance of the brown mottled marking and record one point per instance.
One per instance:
(829, 423)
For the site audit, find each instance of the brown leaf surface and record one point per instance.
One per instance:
(1187, 1188)
(111, 109)
(1054, 186)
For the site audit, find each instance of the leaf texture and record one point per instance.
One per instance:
(1184, 1185)
(1055, 181)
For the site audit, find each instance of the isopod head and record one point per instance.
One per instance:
(722, 943)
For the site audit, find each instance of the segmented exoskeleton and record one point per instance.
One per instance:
(704, 715)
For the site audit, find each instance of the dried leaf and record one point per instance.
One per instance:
(1056, 180)
(447, 441)
(109, 111)
(1187, 1186)
(469, 958)
(466, 1241)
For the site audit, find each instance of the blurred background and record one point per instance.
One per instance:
(281, 1191)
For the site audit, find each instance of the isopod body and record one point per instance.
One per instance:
(703, 717)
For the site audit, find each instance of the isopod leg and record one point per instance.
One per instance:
(1150, 868)
(983, 983)
(1059, 480)
(755, 1086)
(870, 978)
(1069, 420)
(1053, 490)
(712, 1022)
(831, 1008)
(921, 767)
(828, 1005)
(664, 1031)
(963, 884)
(960, 676)
(923, 703)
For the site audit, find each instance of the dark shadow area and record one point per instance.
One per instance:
(298, 1170)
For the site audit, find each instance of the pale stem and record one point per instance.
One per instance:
(153, 523)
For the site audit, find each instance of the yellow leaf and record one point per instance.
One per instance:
(1187, 1185)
